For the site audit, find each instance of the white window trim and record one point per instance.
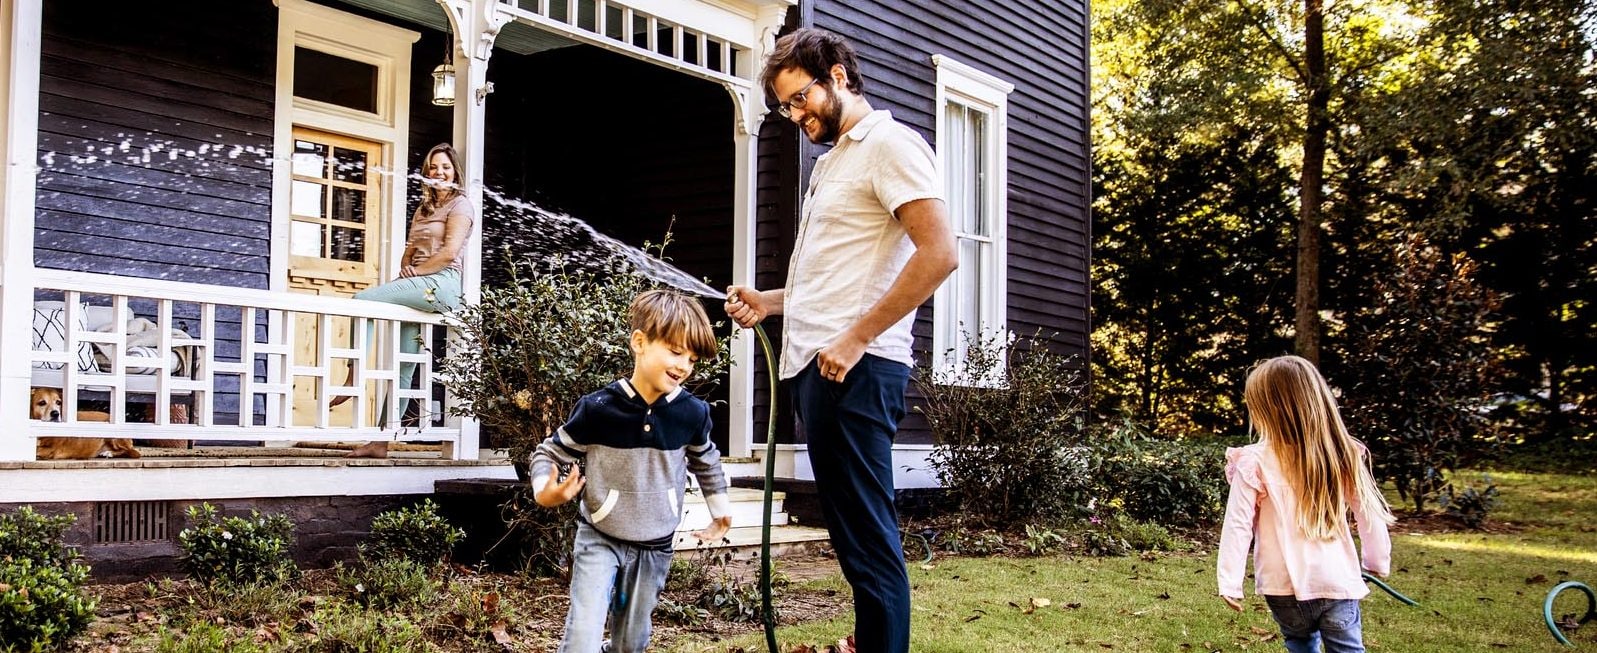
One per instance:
(961, 83)
(317, 27)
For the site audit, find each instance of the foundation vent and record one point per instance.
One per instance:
(130, 521)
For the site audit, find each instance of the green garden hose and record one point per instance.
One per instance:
(1547, 608)
(768, 613)
(1406, 600)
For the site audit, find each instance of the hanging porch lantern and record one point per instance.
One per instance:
(444, 85)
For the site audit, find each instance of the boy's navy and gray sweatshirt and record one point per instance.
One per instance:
(636, 457)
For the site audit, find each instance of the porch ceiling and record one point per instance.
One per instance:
(515, 37)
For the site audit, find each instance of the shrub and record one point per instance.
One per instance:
(252, 604)
(1420, 365)
(538, 342)
(474, 612)
(42, 605)
(1471, 506)
(1009, 420)
(963, 541)
(28, 534)
(388, 583)
(1042, 541)
(731, 599)
(1168, 482)
(417, 533)
(680, 614)
(236, 550)
(541, 537)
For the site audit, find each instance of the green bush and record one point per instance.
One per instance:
(1010, 422)
(417, 533)
(731, 599)
(1176, 483)
(1419, 367)
(29, 534)
(1472, 505)
(42, 605)
(234, 551)
(680, 614)
(388, 583)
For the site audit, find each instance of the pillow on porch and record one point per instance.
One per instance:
(49, 334)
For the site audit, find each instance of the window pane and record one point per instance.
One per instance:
(305, 239)
(349, 205)
(968, 306)
(665, 40)
(306, 199)
(349, 244)
(335, 80)
(587, 15)
(640, 31)
(612, 22)
(978, 170)
(349, 165)
(310, 159)
(690, 47)
(558, 10)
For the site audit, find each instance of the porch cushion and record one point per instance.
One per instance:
(49, 334)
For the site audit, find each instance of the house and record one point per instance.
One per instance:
(226, 174)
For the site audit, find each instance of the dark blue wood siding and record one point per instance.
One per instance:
(1041, 48)
(155, 128)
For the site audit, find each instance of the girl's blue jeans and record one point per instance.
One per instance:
(1338, 624)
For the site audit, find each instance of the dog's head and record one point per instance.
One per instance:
(45, 404)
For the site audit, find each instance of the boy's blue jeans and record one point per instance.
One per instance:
(1338, 623)
(849, 427)
(615, 580)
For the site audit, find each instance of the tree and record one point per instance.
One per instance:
(1418, 360)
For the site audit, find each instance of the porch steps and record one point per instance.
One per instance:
(743, 539)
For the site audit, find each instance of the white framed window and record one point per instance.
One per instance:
(972, 148)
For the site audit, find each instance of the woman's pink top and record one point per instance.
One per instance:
(1262, 510)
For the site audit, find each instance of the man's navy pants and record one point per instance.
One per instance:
(849, 427)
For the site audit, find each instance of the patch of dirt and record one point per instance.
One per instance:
(479, 612)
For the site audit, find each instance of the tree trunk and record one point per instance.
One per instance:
(1307, 341)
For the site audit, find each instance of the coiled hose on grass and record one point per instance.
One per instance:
(1547, 608)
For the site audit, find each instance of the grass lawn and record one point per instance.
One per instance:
(1479, 591)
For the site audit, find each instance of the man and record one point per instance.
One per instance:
(873, 244)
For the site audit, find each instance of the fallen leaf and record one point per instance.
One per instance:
(500, 636)
(268, 633)
(1041, 603)
(490, 602)
(1164, 596)
(1260, 631)
(1536, 580)
(928, 567)
(1072, 606)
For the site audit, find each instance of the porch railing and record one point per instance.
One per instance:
(237, 359)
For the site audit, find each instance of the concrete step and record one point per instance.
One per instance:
(744, 542)
(748, 509)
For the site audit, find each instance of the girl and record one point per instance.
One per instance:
(1290, 494)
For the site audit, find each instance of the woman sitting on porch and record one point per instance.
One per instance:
(429, 276)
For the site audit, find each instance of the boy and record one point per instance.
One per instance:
(637, 438)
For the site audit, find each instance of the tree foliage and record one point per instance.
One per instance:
(1471, 124)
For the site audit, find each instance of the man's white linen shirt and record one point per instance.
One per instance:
(850, 248)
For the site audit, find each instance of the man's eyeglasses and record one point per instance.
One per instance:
(797, 100)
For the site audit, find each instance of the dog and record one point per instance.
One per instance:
(45, 405)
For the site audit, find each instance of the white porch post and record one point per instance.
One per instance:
(476, 24)
(750, 108)
(20, 41)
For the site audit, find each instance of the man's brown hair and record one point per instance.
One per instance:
(814, 51)
(675, 318)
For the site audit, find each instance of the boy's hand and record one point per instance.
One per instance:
(1235, 603)
(555, 491)
(716, 530)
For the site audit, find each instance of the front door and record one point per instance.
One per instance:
(334, 240)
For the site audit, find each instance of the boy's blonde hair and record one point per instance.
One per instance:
(1292, 408)
(675, 318)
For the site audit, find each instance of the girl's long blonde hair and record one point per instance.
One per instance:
(1292, 408)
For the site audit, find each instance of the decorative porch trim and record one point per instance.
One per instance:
(152, 479)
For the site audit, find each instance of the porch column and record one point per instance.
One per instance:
(749, 104)
(20, 41)
(476, 25)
